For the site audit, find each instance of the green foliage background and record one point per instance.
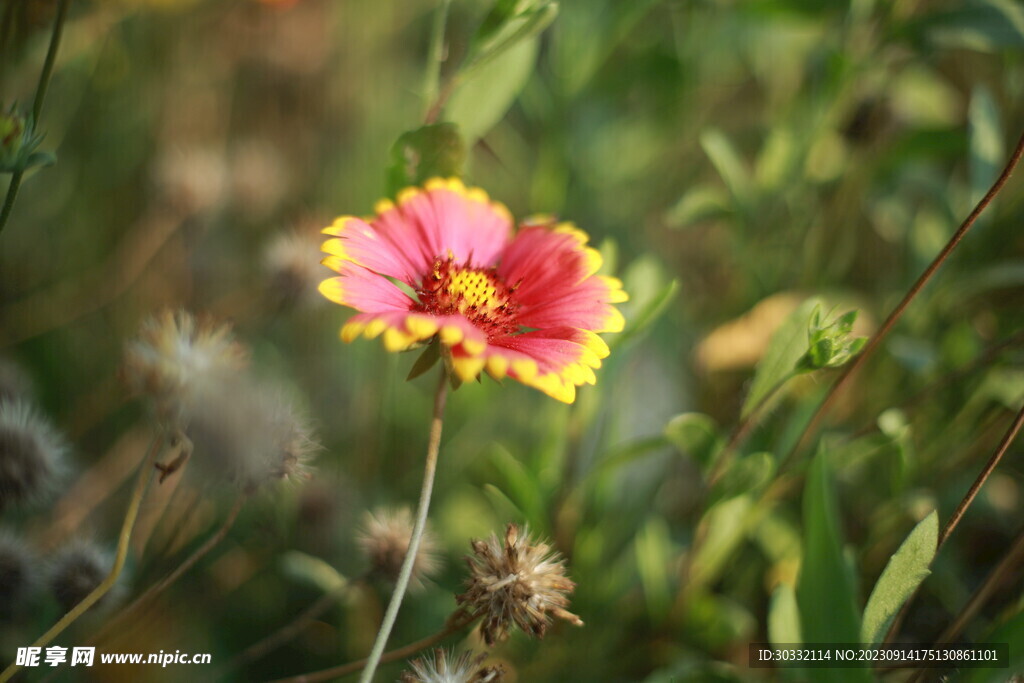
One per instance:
(718, 152)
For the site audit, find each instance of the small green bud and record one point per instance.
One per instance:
(829, 344)
(18, 141)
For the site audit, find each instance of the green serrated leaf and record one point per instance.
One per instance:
(788, 345)
(904, 572)
(432, 151)
(485, 95)
(825, 592)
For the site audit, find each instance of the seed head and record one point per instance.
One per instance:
(76, 571)
(384, 538)
(292, 265)
(249, 434)
(177, 358)
(516, 582)
(18, 569)
(31, 454)
(443, 667)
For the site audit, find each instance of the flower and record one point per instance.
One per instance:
(384, 539)
(177, 358)
(441, 669)
(527, 305)
(516, 582)
(32, 454)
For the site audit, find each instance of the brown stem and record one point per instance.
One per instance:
(897, 312)
(169, 580)
(742, 431)
(958, 514)
(456, 623)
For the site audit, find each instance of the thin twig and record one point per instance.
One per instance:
(429, 470)
(911, 294)
(958, 514)
(456, 623)
(141, 484)
(188, 563)
(37, 103)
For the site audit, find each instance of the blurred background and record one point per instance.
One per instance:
(730, 159)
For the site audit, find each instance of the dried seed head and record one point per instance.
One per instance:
(15, 384)
(443, 667)
(249, 434)
(516, 582)
(31, 454)
(384, 538)
(18, 569)
(292, 264)
(76, 571)
(177, 358)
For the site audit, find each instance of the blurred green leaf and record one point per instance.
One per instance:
(312, 570)
(904, 572)
(986, 139)
(748, 474)
(784, 616)
(788, 345)
(777, 160)
(508, 24)
(654, 555)
(699, 202)
(696, 435)
(518, 484)
(729, 165)
(983, 25)
(650, 293)
(828, 612)
(716, 621)
(503, 506)
(485, 95)
(424, 153)
(1011, 632)
(427, 360)
(725, 526)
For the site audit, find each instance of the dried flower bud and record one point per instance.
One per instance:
(31, 454)
(249, 434)
(76, 571)
(443, 668)
(384, 538)
(516, 582)
(292, 264)
(18, 569)
(177, 359)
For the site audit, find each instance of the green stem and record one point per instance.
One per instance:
(141, 484)
(37, 103)
(430, 469)
(435, 56)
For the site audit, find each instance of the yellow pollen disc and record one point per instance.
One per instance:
(475, 288)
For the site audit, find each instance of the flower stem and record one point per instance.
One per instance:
(429, 470)
(902, 306)
(435, 57)
(37, 103)
(187, 564)
(141, 484)
(455, 623)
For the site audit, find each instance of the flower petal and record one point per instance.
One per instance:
(363, 290)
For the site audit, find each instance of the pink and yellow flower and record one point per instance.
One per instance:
(526, 305)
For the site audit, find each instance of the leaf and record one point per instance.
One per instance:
(424, 153)
(904, 572)
(650, 293)
(986, 140)
(312, 570)
(699, 202)
(824, 592)
(728, 163)
(746, 475)
(427, 360)
(654, 554)
(519, 484)
(787, 346)
(726, 527)
(483, 97)
(508, 24)
(695, 435)
(982, 25)
(784, 617)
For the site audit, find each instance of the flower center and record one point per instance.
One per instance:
(476, 293)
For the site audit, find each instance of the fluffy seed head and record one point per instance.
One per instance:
(443, 667)
(384, 538)
(31, 454)
(176, 358)
(516, 582)
(76, 571)
(249, 434)
(292, 264)
(18, 569)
